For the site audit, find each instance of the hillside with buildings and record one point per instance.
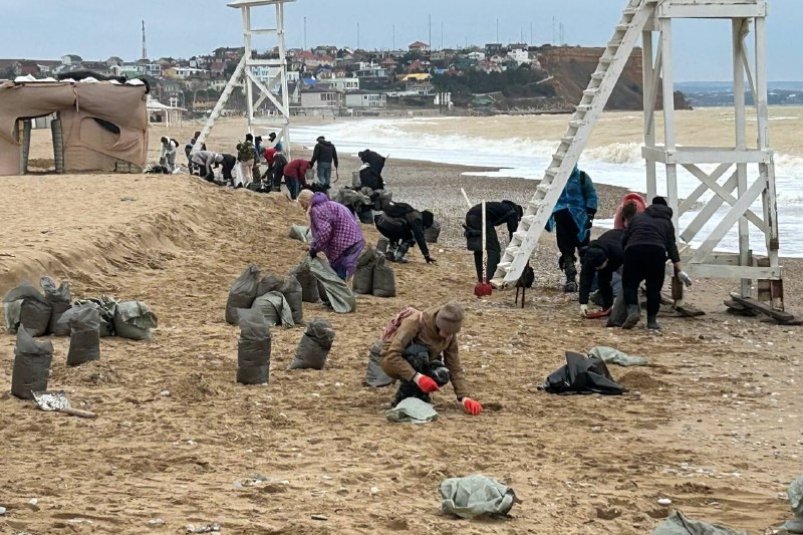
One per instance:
(328, 80)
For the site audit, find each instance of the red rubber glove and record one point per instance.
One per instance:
(471, 406)
(426, 384)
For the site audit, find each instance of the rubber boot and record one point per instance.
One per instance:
(652, 323)
(390, 254)
(633, 317)
(571, 274)
(401, 250)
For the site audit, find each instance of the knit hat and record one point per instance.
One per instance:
(659, 200)
(449, 318)
(594, 257)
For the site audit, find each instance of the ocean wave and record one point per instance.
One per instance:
(616, 153)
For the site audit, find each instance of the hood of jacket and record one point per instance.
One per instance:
(659, 211)
(325, 143)
(319, 198)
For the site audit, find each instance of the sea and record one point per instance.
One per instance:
(522, 146)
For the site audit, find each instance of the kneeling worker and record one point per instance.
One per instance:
(496, 213)
(436, 329)
(403, 225)
(603, 257)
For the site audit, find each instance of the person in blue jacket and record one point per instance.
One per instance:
(571, 219)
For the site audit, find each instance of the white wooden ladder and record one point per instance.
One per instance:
(234, 81)
(538, 211)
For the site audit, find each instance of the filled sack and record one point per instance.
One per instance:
(242, 293)
(84, 324)
(432, 233)
(294, 294)
(383, 282)
(362, 283)
(476, 496)
(309, 284)
(31, 365)
(253, 348)
(314, 346)
(34, 310)
(134, 320)
(268, 283)
(274, 308)
(375, 376)
(106, 308)
(58, 297)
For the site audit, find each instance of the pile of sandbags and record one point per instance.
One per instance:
(373, 275)
(278, 300)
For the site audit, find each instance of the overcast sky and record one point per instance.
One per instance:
(98, 29)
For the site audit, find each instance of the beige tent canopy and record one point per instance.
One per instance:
(100, 126)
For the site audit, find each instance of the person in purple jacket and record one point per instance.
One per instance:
(335, 232)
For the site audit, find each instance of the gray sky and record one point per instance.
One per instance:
(97, 29)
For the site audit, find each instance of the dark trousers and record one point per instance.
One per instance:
(644, 263)
(293, 186)
(395, 237)
(206, 173)
(229, 162)
(492, 247)
(566, 232)
(276, 178)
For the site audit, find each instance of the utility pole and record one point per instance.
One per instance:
(497, 29)
(430, 31)
(144, 49)
(441, 35)
(305, 33)
(358, 36)
(532, 39)
(554, 35)
(562, 35)
(394, 37)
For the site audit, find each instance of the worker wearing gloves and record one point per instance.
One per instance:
(436, 329)
(603, 257)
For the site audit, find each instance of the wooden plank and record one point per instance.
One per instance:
(710, 10)
(691, 199)
(758, 306)
(704, 270)
(714, 186)
(707, 212)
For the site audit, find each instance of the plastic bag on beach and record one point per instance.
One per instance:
(314, 346)
(677, 524)
(84, 324)
(253, 348)
(375, 376)
(134, 320)
(34, 311)
(474, 496)
(242, 293)
(294, 294)
(58, 297)
(338, 294)
(31, 365)
(274, 309)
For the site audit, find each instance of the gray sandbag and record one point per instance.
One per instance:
(134, 320)
(412, 410)
(106, 308)
(300, 233)
(31, 365)
(11, 315)
(795, 494)
(362, 283)
(58, 297)
(474, 496)
(618, 312)
(338, 294)
(35, 311)
(352, 199)
(382, 244)
(268, 283)
(432, 233)
(253, 348)
(242, 293)
(274, 308)
(384, 280)
(677, 524)
(314, 346)
(84, 323)
(294, 294)
(375, 376)
(611, 355)
(309, 284)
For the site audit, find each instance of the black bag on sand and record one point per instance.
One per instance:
(314, 346)
(294, 294)
(268, 283)
(432, 233)
(31, 365)
(309, 285)
(242, 293)
(84, 323)
(107, 307)
(362, 283)
(58, 297)
(582, 375)
(384, 280)
(34, 313)
(375, 376)
(253, 348)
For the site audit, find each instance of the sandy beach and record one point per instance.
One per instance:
(712, 423)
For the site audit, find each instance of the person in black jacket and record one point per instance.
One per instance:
(374, 159)
(603, 257)
(369, 178)
(496, 213)
(403, 226)
(648, 240)
(325, 155)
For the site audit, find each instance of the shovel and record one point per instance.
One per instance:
(483, 288)
(57, 401)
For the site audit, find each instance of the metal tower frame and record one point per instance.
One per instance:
(641, 19)
(244, 76)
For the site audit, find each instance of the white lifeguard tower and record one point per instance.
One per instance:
(744, 173)
(250, 74)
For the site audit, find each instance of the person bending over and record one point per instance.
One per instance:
(403, 226)
(295, 176)
(436, 330)
(602, 258)
(496, 213)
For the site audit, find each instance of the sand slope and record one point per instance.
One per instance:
(711, 425)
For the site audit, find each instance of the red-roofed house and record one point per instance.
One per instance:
(418, 46)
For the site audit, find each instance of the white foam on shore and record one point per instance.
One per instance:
(616, 164)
